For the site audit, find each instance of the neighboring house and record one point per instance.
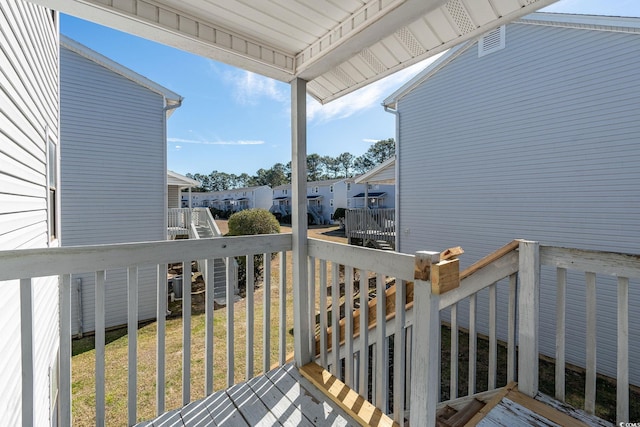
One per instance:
(324, 197)
(175, 184)
(113, 133)
(233, 200)
(533, 132)
(321, 201)
(29, 207)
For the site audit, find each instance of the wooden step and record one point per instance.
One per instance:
(356, 406)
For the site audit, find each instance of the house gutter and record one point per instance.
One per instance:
(396, 113)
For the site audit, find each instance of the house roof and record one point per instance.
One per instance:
(174, 178)
(384, 173)
(337, 47)
(325, 182)
(281, 198)
(372, 194)
(171, 98)
(314, 196)
(586, 22)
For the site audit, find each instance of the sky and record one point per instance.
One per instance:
(237, 122)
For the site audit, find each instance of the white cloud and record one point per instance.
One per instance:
(370, 140)
(370, 96)
(250, 88)
(203, 142)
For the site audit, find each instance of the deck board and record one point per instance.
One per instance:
(281, 397)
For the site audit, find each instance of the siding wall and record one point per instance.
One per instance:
(28, 113)
(536, 141)
(173, 196)
(113, 164)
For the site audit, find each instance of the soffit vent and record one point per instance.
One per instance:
(492, 41)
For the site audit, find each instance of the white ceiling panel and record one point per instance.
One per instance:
(336, 45)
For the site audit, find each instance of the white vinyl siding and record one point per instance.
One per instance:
(28, 116)
(538, 141)
(114, 175)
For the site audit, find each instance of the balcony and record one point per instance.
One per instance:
(345, 343)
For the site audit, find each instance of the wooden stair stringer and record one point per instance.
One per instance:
(356, 406)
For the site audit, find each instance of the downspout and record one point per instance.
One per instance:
(397, 175)
(167, 112)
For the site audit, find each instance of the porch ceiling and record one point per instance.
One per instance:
(336, 46)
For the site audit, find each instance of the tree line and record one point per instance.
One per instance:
(319, 168)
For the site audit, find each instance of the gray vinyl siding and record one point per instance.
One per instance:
(28, 118)
(113, 177)
(536, 141)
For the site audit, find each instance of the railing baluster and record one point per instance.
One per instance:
(590, 378)
(311, 272)
(335, 320)
(473, 345)
(249, 315)
(266, 324)
(132, 334)
(161, 313)
(622, 386)
(348, 327)
(561, 274)
(186, 332)
(364, 332)
(230, 322)
(382, 366)
(323, 314)
(398, 352)
(493, 340)
(208, 329)
(511, 328)
(65, 350)
(99, 344)
(453, 384)
(26, 332)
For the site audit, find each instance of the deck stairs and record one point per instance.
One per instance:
(380, 244)
(206, 229)
(317, 218)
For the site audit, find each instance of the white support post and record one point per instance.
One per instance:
(208, 331)
(426, 344)
(528, 313)
(299, 220)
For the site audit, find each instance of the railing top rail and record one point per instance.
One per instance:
(610, 263)
(392, 264)
(483, 262)
(26, 263)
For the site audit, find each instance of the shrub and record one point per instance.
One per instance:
(339, 214)
(251, 222)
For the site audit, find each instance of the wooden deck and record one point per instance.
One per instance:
(280, 397)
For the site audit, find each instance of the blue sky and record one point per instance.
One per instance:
(234, 121)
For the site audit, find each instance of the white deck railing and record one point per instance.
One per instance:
(370, 224)
(26, 265)
(416, 316)
(403, 297)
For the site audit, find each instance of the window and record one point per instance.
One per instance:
(348, 186)
(331, 202)
(316, 189)
(348, 203)
(52, 157)
(284, 191)
(331, 189)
